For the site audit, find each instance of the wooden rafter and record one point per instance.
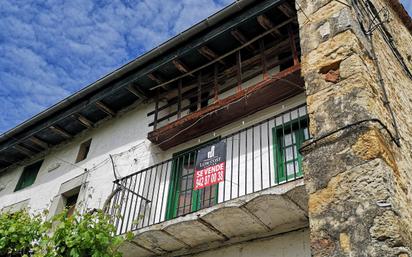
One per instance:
(239, 36)
(83, 120)
(286, 10)
(268, 25)
(24, 150)
(60, 131)
(221, 57)
(181, 66)
(39, 142)
(158, 79)
(106, 109)
(136, 92)
(155, 78)
(281, 45)
(209, 54)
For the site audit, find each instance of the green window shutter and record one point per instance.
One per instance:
(181, 184)
(28, 176)
(287, 139)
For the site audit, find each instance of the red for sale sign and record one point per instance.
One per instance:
(210, 165)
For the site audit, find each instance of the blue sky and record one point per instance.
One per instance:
(50, 49)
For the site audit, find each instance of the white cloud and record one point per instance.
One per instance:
(50, 49)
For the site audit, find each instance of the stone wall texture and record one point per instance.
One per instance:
(358, 179)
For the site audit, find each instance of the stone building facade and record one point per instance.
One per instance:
(333, 76)
(358, 78)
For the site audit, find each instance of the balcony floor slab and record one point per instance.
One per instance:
(268, 212)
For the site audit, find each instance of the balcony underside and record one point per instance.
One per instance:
(272, 90)
(269, 212)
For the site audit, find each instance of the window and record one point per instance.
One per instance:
(182, 198)
(70, 203)
(288, 138)
(28, 176)
(84, 150)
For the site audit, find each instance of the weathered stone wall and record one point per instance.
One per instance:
(358, 179)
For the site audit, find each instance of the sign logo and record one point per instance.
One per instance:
(210, 165)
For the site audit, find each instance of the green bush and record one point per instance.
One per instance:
(85, 235)
(20, 233)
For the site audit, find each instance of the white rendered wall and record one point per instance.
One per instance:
(156, 180)
(293, 244)
(126, 134)
(112, 137)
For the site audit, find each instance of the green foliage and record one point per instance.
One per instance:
(20, 233)
(86, 235)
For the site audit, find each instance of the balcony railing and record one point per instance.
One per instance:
(257, 157)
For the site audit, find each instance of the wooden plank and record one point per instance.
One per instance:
(220, 58)
(179, 99)
(239, 71)
(268, 25)
(209, 54)
(24, 150)
(39, 142)
(286, 10)
(199, 91)
(263, 59)
(215, 83)
(181, 67)
(60, 131)
(106, 109)
(155, 78)
(293, 46)
(260, 96)
(136, 92)
(239, 36)
(156, 109)
(279, 46)
(187, 107)
(83, 120)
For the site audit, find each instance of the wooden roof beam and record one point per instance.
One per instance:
(209, 54)
(181, 67)
(136, 92)
(287, 10)
(158, 79)
(60, 131)
(83, 120)
(106, 109)
(24, 150)
(268, 25)
(39, 142)
(155, 78)
(239, 36)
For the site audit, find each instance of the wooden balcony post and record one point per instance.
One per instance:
(263, 58)
(215, 83)
(199, 91)
(239, 70)
(156, 112)
(293, 46)
(179, 99)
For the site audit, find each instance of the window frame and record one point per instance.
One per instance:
(28, 171)
(297, 128)
(172, 205)
(84, 150)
